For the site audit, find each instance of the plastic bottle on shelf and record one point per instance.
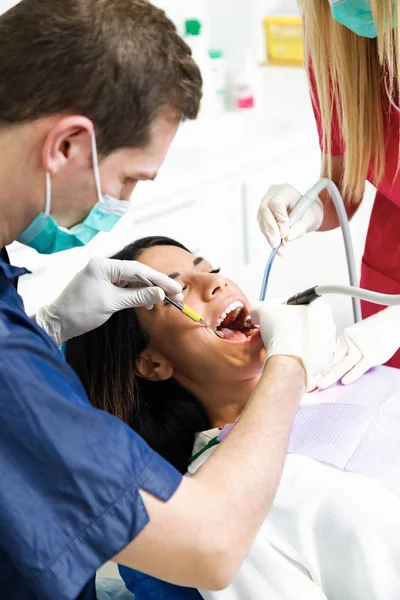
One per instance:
(195, 40)
(219, 78)
(246, 83)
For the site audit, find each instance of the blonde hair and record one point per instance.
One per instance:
(350, 73)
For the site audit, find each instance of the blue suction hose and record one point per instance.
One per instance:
(267, 272)
(298, 211)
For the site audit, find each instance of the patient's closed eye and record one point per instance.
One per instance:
(184, 286)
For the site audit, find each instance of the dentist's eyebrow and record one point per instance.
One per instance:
(196, 262)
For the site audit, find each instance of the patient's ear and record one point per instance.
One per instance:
(153, 366)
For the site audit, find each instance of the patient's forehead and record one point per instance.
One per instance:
(167, 259)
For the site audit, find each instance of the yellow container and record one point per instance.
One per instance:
(284, 40)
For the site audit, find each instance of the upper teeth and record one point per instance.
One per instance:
(231, 307)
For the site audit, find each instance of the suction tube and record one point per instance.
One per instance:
(267, 272)
(298, 211)
(337, 200)
(356, 293)
(308, 296)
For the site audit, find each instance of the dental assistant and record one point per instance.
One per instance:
(91, 96)
(352, 49)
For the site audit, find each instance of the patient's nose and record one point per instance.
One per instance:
(214, 285)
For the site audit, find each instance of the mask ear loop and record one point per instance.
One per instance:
(96, 170)
(47, 206)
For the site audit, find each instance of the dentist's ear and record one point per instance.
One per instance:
(68, 140)
(153, 366)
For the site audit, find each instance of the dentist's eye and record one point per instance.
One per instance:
(215, 271)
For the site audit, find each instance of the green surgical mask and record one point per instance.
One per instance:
(47, 237)
(355, 15)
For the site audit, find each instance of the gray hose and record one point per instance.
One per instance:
(355, 292)
(302, 206)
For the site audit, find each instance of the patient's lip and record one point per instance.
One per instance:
(223, 305)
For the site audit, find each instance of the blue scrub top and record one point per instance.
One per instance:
(69, 473)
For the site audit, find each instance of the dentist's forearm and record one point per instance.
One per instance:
(256, 448)
(201, 536)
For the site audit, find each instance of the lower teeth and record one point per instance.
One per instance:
(251, 331)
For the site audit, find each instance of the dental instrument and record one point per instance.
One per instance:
(311, 294)
(298, 211)
(184, 308)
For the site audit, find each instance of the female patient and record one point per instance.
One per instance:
(332, 533)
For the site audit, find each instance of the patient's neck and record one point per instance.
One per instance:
(224, 401)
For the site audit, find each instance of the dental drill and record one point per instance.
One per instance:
(308, 296)
(352, 290)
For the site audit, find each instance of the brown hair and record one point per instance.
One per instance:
(350, 73)
(117, 62)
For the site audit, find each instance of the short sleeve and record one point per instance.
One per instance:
(70, 474)
(337, 143)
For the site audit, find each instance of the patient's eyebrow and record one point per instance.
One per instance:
(196, 262)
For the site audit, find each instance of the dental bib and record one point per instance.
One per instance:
(355, 428)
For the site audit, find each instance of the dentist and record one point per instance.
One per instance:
(352, 49)
(77, 486)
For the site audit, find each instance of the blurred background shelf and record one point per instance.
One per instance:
(275, 62)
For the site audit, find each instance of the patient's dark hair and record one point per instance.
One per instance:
(162, 412)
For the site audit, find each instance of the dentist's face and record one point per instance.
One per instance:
(74, 190)
(195, 352)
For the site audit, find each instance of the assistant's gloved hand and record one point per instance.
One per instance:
(366, 344)
(273, 215)
(97, 292)
(308, 332)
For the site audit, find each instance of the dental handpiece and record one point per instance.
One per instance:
(298, 211)
(311, 294)
(184, 308)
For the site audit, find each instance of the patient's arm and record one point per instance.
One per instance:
(200, 537)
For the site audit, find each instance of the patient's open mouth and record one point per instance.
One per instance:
(235, 323)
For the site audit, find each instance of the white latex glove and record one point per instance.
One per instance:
(307, 332)
(273, 215)
(97, 292)
(366, 344)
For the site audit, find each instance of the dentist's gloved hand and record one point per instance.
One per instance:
(308, 332)
(98, 291)
(273, 215)
(366, 344)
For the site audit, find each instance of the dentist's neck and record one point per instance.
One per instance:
(22, 179)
